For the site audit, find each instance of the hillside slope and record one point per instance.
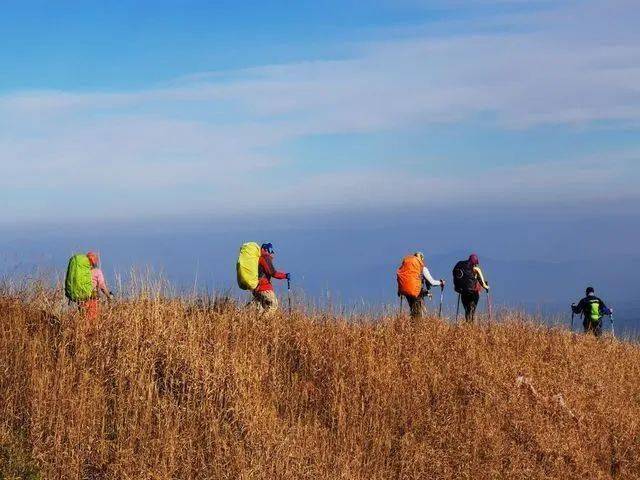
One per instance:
(166, 389)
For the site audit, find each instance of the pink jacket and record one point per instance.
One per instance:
(97, 280)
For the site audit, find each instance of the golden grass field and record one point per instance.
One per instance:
(171, 389)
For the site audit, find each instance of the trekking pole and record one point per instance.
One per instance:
(572, 315)
(441, 298)
(458, 307)
(289, 294)
(613, 331)
(489, 304)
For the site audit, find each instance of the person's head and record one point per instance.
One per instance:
(590, 291)
(267, 248)
(473, 260)
(420, 256)
(94, 259)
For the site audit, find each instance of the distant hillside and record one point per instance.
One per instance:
(165, 389)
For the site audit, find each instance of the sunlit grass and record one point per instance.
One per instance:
(163, 388)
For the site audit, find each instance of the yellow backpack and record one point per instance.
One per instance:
(247, 266)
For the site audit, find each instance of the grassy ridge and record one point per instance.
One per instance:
(161, 389)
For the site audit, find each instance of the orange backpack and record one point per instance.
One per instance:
(410, 276)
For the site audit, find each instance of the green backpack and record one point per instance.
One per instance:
(593, 311)
(78, 286)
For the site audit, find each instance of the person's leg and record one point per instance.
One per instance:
(592, 327)
(256, 301)
(597, 328)
(475, 298)
(410, 301)
(467, 300)
(90, 309)
(470, 302)
(464, 299)
(269, 302)
(416, 306)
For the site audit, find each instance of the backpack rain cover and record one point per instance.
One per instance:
(247, 266)
(78, 286)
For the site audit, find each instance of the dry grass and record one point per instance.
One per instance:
(165, 389)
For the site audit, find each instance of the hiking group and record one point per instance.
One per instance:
(84, 283)
(415, 282)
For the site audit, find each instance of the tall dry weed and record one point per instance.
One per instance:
(172, 389)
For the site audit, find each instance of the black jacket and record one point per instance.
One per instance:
(584, 307)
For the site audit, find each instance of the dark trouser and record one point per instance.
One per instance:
(416, 305)
(593, 327)
(469, 302)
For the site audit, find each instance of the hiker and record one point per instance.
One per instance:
(91, 307)
(592, 310)
(410, 276)
(468, 281)
(84, 283)
(263, 295)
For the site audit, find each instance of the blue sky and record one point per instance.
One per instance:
(147, 109)
(180, 129)
(85, 45)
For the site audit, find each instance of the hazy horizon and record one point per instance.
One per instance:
(535, 261)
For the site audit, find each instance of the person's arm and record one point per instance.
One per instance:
(430, 280)
(575, 308)
(279, 275)
(604, 310)
(271, 270)
(480, 277)
(101, 285)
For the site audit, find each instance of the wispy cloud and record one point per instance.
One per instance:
(200, 137)
(577, 180)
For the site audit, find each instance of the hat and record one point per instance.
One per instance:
(94, 258)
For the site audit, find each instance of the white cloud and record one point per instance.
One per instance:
(580, 179)
(575, 65)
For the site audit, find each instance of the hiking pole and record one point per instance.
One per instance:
(613, 331)
(489, 304)
(458, 307)
(441, 298)
(289, 293)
